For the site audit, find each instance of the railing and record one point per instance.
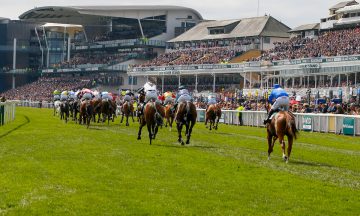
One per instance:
(7, 112)
(323, 123)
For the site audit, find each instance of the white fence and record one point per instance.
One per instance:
(324, 123)
(7, 112)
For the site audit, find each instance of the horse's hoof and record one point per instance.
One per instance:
(182, 143)
(268, 158)
(139, 138)
(188, 142)
(285, 158)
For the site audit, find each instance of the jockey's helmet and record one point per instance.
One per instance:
(182, 87)
(276, 86)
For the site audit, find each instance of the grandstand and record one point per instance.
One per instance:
(127, 45)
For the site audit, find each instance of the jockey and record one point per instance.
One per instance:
(279, 100)
(64, 96)
(86, 94)
(211, 100)
(72, 95)
(106, 96)
(169, 97)
(56, 95)
(128, 96)
(150, 92)
(182, 96)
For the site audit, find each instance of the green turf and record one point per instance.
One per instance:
(52, 168)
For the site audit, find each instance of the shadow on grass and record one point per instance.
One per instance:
(16, 128)
(178, 145)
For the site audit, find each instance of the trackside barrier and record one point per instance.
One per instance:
(314, 122)
(7, 112)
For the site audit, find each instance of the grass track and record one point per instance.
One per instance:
(49, 167)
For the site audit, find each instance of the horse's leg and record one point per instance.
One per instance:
(171, 123)
(127, 120)
(132, 116)
(122, 118)
(155, 129)
(189, 127)
(283, 147)
(150, 131)
(179, 128)
(217, 122)
(290, 143)
(270, 145)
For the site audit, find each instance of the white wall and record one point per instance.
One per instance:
(174, 19)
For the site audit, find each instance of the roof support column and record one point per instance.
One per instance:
(214, 82)
(244, 76)
(141, 29)
(162, 84)
(196, 82)
(356, 79)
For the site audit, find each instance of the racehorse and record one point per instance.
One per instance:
(281, 125)
(152, 118)
(213, 115)
(106, 109)
(169, 115)
(64, 110)
(57, 107)
(127, 109)
(74, 109)
(86, 112)
(185, 115)
(97, 102)
(140, 106)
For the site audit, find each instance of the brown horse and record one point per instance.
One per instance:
(185, 115)
(106, 110)
(141, 103)
(127, 109)
(213, 115)
(169, 115)
(97, 103)
(152, 118)
(86, 112)
(283, 124)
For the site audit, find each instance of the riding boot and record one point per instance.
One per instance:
(173, 109)
(267, 120)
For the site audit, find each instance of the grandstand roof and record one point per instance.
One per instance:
(343, 4)
(248, 27)
(108, 10)
(349, 9)
(305, 27)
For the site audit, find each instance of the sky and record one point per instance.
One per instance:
(291, 12)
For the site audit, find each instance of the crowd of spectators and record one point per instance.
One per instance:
(102, 58)
(42, 89)
(197, 56)
(330, 43)
(229, 101)
(211, 44)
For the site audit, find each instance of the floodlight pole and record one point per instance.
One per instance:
(14, 64)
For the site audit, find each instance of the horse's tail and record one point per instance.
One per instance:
(291, 126)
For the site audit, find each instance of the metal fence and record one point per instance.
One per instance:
(7, 112)
(323, 123)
